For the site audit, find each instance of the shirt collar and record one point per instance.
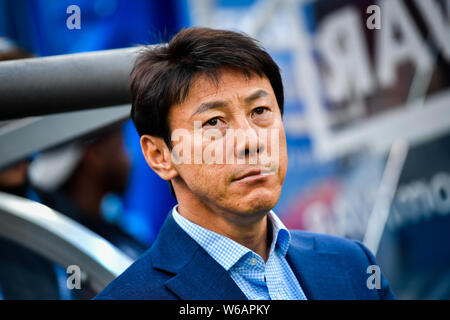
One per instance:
(228, 252)
(281, 236)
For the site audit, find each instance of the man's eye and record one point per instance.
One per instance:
(259, 110)
(212, 122)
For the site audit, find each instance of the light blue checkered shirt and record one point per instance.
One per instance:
(273, 280)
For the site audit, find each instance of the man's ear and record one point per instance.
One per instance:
(158, 156)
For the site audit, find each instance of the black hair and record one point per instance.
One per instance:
(162, 75)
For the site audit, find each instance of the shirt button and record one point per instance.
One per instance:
(253, 262)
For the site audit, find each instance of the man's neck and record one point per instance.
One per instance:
(250, 231)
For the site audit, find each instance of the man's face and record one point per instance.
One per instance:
(110, 160)
(235, 174)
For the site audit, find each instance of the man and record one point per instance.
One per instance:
(24, 274)
(222, 241)
(75, 178)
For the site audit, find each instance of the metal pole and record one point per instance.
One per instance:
(39, 86)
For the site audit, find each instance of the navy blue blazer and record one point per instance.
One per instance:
(176, 267)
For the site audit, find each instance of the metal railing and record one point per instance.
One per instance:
(49, 101)
(61, 240)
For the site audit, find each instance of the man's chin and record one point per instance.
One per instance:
(261, 202)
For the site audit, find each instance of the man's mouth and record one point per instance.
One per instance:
(254, 174)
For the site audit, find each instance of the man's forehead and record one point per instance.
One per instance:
(229, 83)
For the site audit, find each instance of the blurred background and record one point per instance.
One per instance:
(367, 118)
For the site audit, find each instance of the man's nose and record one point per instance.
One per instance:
(247, 142)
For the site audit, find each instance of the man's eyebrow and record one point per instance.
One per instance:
(220, 104)
(209, 105)
(256, 95)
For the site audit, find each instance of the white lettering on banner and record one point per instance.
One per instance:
(343, 47)
(392, 52)
(436, 22)
(420, 200)
(341, 43)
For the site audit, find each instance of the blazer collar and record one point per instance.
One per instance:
(197, 276)
(321, 274)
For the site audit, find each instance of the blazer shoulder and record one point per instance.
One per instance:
(355, 256)
(324, 242)
(351, 249)
(140, 281)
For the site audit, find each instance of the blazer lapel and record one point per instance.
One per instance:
(320, 274)
(204, 279)
(197, 276)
